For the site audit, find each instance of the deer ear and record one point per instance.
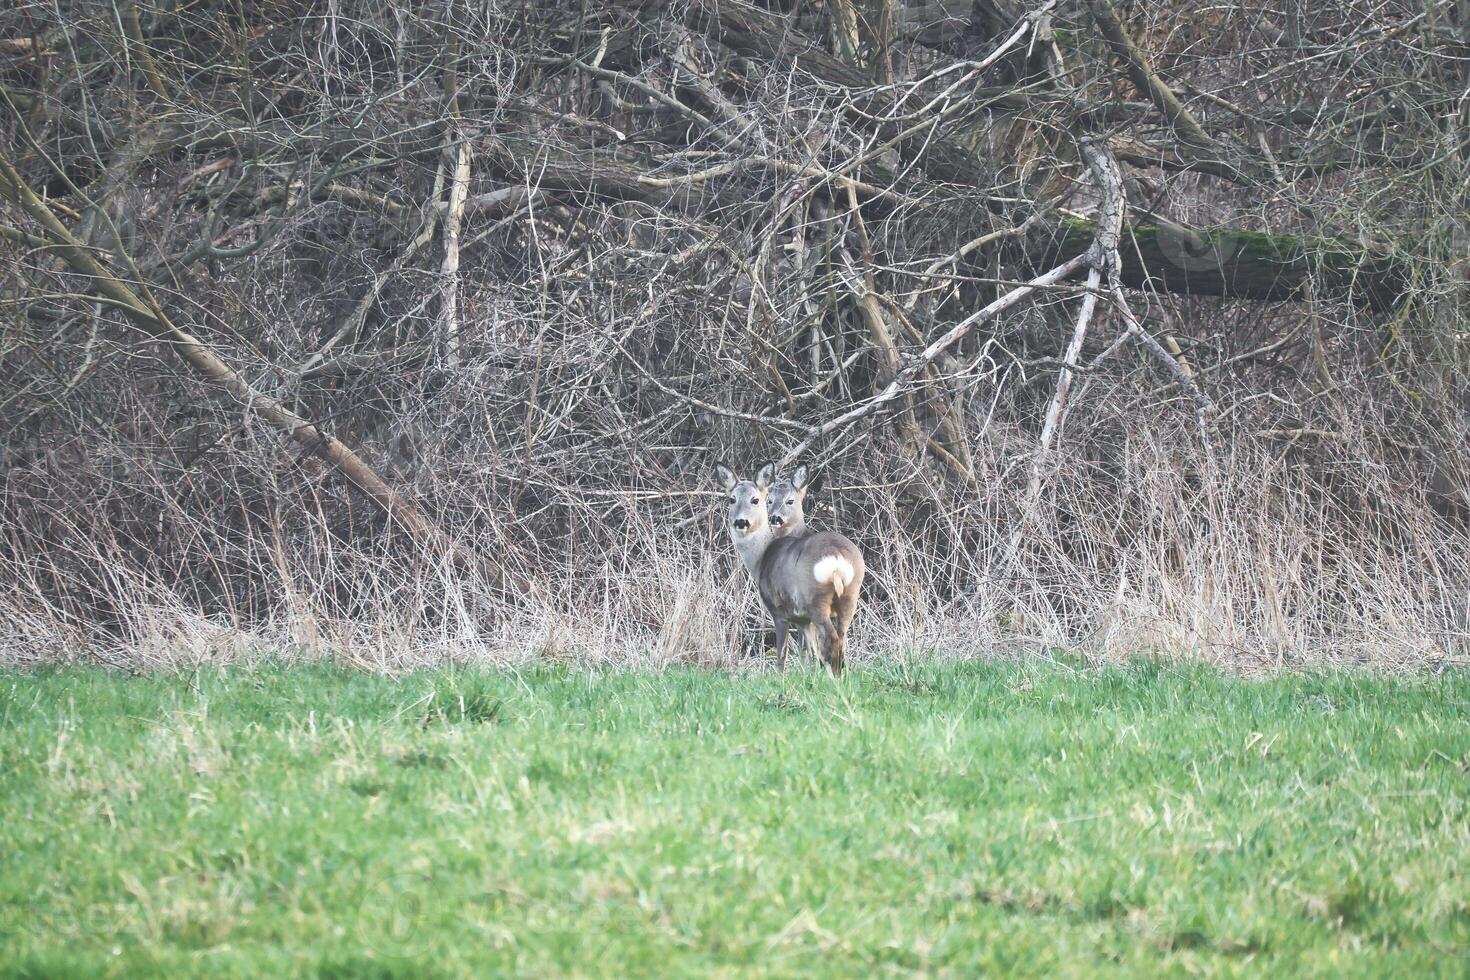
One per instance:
(766, 476)
(798, 479)
(726, 477)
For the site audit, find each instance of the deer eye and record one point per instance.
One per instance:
(791, 501)
(732, 500)
(755, 500)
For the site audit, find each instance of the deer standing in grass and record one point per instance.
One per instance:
(805, 578)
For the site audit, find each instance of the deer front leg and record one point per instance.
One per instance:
(810, 632)
(780, 641)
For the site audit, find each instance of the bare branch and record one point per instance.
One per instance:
(927, 356)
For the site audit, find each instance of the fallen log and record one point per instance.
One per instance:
(1238, 264)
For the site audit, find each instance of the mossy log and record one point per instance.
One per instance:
(1240, 264)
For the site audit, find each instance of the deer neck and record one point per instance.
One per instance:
(752, 548)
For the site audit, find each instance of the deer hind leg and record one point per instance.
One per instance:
(832, 645)
(821, 634)
(780, 642)
(843, 609)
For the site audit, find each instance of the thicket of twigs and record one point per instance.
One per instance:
(395, 331)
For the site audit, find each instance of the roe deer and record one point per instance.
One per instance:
(785, 507)
(805, 578)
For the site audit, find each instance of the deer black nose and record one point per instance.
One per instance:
(741, 524)
(777, 521)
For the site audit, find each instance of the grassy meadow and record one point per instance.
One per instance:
(1029, 817)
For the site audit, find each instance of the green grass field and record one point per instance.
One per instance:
(1027, 817)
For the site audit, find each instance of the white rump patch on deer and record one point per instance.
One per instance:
(834, 569)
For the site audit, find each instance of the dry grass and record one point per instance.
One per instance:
(1254, 566)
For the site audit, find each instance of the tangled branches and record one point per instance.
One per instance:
(366, 313)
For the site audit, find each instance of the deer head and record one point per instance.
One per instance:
(745, 516)
(785, 505)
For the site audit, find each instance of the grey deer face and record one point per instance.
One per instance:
(784, 508)
(746, 513)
